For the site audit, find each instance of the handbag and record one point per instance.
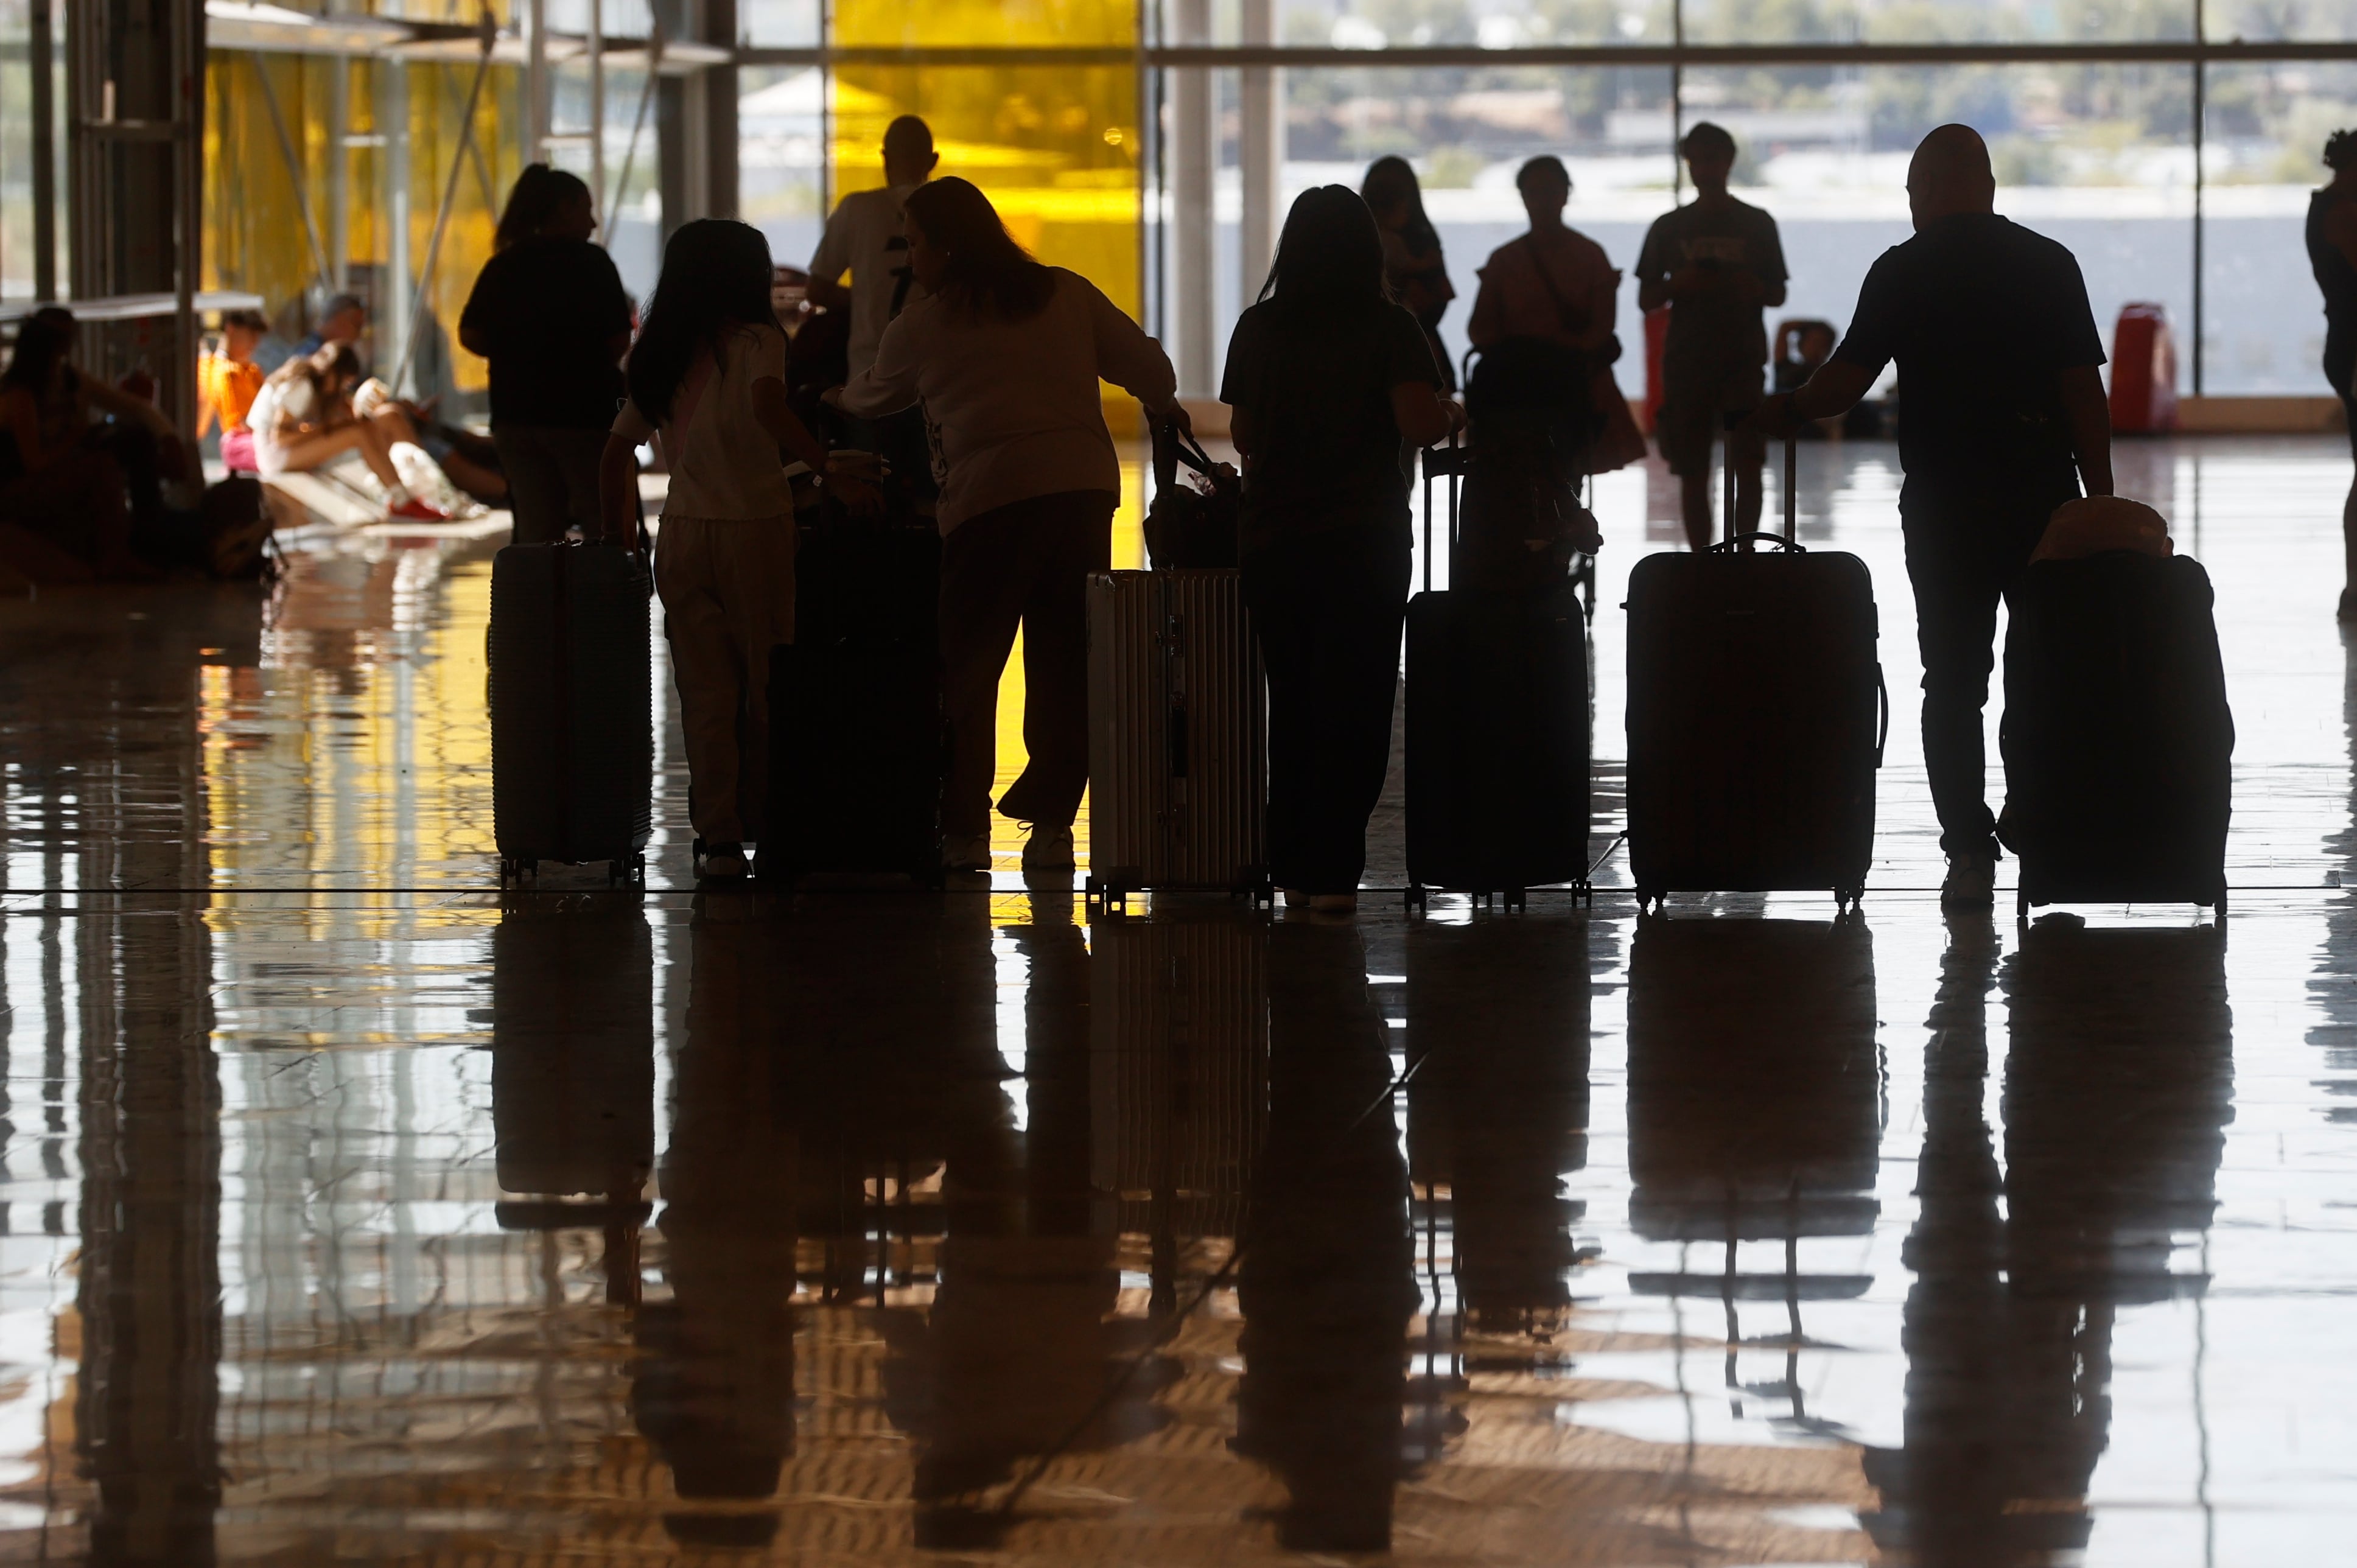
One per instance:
(1192, 526)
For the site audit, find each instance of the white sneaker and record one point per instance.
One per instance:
(725, 860)
(966, 851)
(1049, 849)
(1971, 883)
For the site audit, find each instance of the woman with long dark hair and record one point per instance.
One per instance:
(1004, 355)
(1413, 262)
(549, 313)
(709, 373)
(1329, 375)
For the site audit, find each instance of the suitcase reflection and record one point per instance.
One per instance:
(1755, 1115)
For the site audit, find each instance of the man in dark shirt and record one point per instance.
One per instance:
(2002, 419)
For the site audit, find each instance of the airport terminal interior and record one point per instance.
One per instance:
(360, 1204)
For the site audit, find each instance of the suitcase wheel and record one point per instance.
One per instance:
(1848, 900)
(1415, 898)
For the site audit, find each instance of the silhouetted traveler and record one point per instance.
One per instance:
(550, 314)
(709, 372)
(1413, 262)
(2333, 253)
(1004, 355)
(1327, 375)
(1999, 365)
(864, 239)
(1543, 316)
(67, 485)
(1716, 263)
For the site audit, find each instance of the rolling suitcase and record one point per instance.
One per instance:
(1497, 730)
(856, 736)
(1177, 736)
(1757, 715)
(2117, 741)
(571, 699)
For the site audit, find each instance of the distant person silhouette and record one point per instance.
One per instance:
(1714, 263)
(865, 238)
(550, 314)
(1413, 262)
(1999, 368)
(1327, 375)
(709, 373)
(1543, 317)
(1004, 355)
(2332, 255)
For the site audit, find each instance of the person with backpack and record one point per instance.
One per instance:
(1005, 354)
(1331, 379)
(1714, 264)
(709, 372)
(549, 312)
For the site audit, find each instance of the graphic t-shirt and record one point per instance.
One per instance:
(1715, 334)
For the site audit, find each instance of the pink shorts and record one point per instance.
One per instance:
(237, 452)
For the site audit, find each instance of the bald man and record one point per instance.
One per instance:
(2002, 419)
(864, 238)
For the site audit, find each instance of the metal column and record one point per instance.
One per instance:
(1194, 227)
(535, 83)
(1260, 148)
(597, 114)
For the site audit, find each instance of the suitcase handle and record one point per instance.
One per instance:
(1882, 703)
(1453, 464)
(1791, 534)
(1747, 541)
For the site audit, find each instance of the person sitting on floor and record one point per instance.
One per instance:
(67, 498)
(228, 380)
(305, 419)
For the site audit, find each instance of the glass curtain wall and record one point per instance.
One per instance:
(2097, 124)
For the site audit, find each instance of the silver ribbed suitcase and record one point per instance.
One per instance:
(1178, 1071)
(1177, 736)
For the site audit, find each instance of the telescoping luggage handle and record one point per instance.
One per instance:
(1791, 538)
(1448, 460)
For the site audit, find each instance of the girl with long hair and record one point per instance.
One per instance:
(709, 372)
(1413, 262)
(549, 312)
(1004, 355)
(1329, 375)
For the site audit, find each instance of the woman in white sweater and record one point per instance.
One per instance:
(1004, 355)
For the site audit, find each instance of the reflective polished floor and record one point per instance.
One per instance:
(351, 1210)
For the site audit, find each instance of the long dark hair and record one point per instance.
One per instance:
(988, 273)
(540, 193)
(2340, 150)
(43, 339)
(715, 276)
(1330, 259)
(1390, 179)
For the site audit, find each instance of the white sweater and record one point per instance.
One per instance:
(1014, 408)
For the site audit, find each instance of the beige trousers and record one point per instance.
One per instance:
(727, 591)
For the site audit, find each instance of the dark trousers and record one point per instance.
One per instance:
(1328, 610)
(1964, 554)
(552, 477)
(1024, 565)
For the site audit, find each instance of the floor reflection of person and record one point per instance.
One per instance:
(2117, 1089)
(1324, 1279)
(1497, 1033)
(713, 1388)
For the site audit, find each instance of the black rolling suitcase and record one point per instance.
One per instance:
(1753, 727)
(2117, 740)
(1497, 730)
(572, 727)
(856, 738)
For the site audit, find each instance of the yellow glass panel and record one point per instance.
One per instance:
(1055, 148)
(899, 23)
